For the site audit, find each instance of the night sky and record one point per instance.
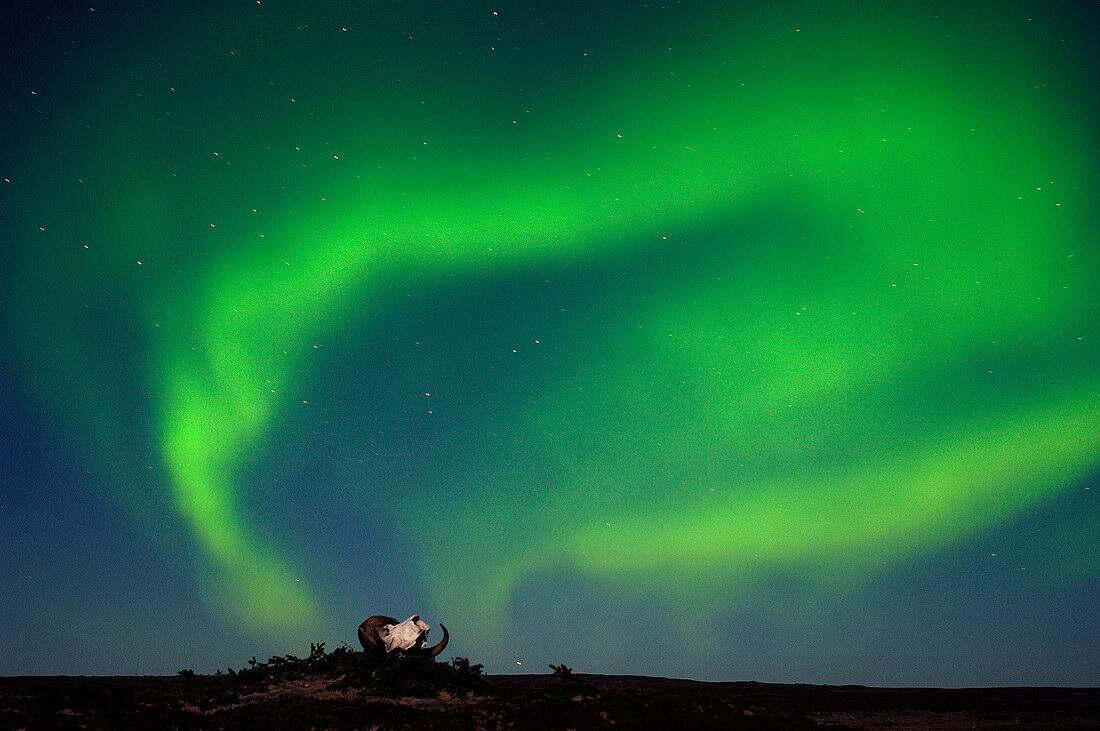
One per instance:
(734, 341)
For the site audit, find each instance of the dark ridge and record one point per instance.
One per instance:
(347, 689)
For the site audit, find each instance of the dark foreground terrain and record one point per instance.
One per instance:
(346, 690)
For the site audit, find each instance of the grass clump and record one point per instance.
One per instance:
(562, 671)
(391, 676)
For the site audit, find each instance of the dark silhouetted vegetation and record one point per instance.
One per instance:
(562, 670)
(391, 676)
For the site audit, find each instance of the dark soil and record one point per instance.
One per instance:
(348, 690)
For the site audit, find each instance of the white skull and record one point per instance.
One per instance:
(410, 633)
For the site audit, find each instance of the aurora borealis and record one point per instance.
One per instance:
(763, 337)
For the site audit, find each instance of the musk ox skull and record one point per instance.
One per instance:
(380, 635)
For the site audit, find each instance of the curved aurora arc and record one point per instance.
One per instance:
(789, 405)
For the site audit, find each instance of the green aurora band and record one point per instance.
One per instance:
(888, 343)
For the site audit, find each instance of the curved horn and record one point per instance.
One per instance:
(368, 633)
(433, 651)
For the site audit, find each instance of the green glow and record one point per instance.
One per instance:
(884, 218)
